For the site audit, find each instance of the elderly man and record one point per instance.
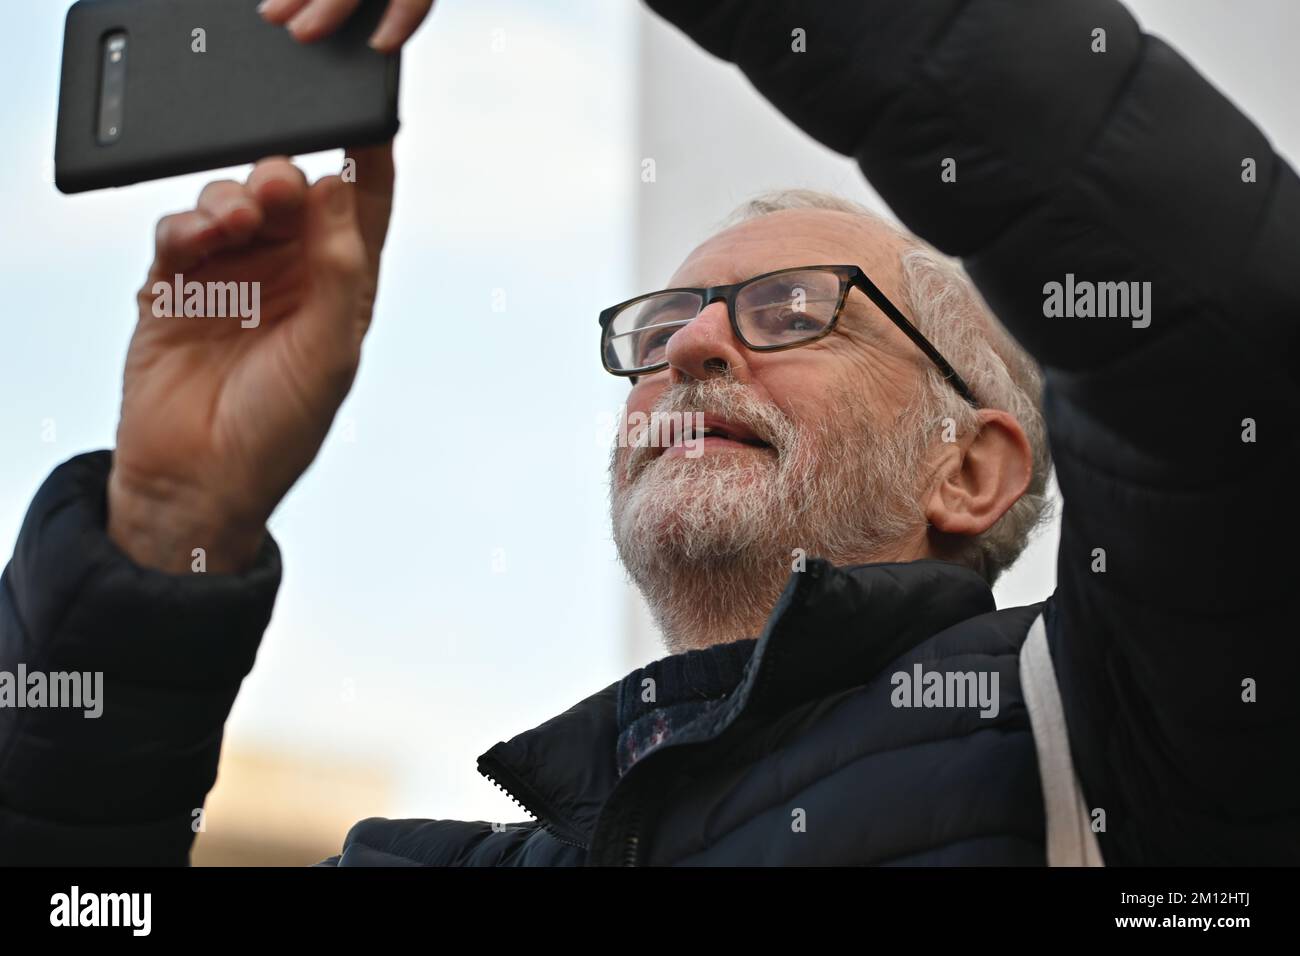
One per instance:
(818, 544)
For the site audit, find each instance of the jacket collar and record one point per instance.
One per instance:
(831, 629)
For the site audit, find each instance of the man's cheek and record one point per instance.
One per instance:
(623, 454)
(645, 393)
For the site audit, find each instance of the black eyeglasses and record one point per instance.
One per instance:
(769, 312)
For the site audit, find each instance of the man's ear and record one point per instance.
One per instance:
(980, 476)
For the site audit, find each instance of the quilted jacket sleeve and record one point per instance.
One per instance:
(1084, 147)
(379, 842)
(123, 786)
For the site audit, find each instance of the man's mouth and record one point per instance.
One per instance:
(712, 433)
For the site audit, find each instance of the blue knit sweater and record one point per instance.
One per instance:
(658, 700)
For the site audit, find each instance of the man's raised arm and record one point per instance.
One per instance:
(152, 567)
(1141, 238)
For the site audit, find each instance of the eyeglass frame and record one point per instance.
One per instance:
(850, 277)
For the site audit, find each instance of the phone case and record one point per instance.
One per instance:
(255, 92)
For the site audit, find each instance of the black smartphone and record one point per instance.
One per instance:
(157, 88)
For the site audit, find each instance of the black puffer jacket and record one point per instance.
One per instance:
(1115, 166)
(808, 762)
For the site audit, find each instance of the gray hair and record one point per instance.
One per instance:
(941, 301)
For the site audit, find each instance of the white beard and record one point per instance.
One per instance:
(711, 541)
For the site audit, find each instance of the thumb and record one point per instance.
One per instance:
(330, 229)
(336, 258)
(373, 185)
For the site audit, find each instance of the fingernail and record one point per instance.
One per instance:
(384, 37)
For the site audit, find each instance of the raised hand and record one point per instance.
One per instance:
(220, 416)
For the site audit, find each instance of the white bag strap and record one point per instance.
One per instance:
(1070, 839)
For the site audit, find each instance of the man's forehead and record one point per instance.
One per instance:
(791, 237)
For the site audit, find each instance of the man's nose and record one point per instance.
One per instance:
(706, 347)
